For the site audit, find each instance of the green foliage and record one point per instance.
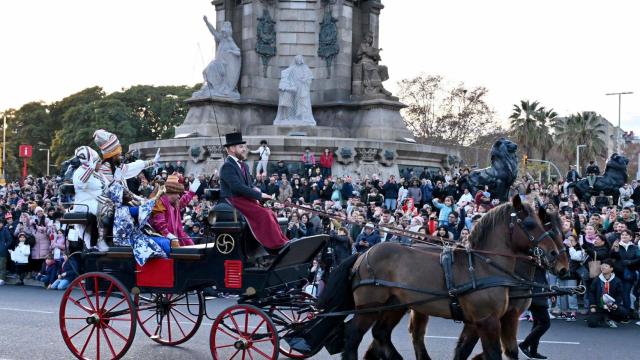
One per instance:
(583, 128)
(136, 114)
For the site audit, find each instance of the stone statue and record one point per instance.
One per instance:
(328, 40)
(222, 74)
(502, 173)
(614, 177)
(266, 39)
(367, 69)
(294, 103)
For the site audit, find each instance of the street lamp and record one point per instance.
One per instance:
(578, 157)
(615, 144)
(48, 153)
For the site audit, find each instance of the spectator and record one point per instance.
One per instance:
(20, 255)
(263, 155)
(367, 238)
(67, 274)
(308, 161)
(285, 191)
(326, 162)
(415, 192)
(48, 272)
(625, 252)
(6, 242)
(445, 209)
(390, 192)
(605, 297)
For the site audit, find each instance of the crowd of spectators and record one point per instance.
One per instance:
(597, 234)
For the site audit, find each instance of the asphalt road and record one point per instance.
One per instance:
(29, 329)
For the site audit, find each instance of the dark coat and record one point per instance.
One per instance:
(372, 239)
(539, 277)
(6, 242)
(625, 259)
(390, 190)
(234, 183)
(597, 288)
(341, 247)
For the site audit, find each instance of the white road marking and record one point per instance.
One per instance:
(29, 311)
(542, 341)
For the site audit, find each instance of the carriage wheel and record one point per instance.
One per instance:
(97, 317)
(289, 318)
(170, 319)
(243, 332)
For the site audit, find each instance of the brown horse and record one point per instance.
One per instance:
(509, 321)
(391, 274)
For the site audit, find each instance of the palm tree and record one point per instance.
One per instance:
(545, 121)
(583, 128)
(524, 124)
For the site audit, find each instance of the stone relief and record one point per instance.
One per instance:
(328, 40)
(345, 155)
(388, 157)
(367, 154)
(294, 103)
(198, 153)
(266, 39)
(222, 74)
(368, 75)
(215, 151)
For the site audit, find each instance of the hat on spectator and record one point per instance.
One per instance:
(8, 216)
(369, 225)
(108, 143)
(38, 208)
(173, 185)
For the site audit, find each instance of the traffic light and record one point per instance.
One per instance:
(526, 159)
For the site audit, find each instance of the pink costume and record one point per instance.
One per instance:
(166, 218)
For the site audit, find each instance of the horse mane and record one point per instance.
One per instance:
(491, 220)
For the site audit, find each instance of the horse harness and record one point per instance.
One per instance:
(454, 291)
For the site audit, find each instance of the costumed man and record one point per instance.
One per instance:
(113, 170)
(236, 188)
(592, 171)
(166, 218)
(89, 185)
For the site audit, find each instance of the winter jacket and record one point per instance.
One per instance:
(390, 190)
(21, 253)
(625, 258)
(427, 193)
(596, 290)
(326, 161)
(416, 194)
(43, 244)
(49, 272)
(372, 239)
(68, 270)
(443, 217)
(310, 161)
(6, 242)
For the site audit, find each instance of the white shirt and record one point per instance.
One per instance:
(263, 152)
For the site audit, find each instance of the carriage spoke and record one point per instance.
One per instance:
(116, 332)
(257, 327)
(87, 341)
(106, 297)
(185, 316)
(116, 305)
(106, 337)
(149, 318)
(78, 304)
(224, 331)
(98, 337)
(79, 331)
(234, 354)
(246, 324)
(169, 327)
(260, 352)
(86, 296)
(177, 323)
(97, 294)
(235, 323)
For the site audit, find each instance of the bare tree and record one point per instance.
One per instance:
(448, 115)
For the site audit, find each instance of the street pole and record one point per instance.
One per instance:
(48, 158)
(578, 157)
(4, 144)
(615, 144)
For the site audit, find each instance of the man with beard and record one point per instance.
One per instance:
(235, 188)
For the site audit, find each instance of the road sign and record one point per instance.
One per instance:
(26, 151)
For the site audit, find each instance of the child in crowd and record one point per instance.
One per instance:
(67, 274)
(49, 271)
(20, 255)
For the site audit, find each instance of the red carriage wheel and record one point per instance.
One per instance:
(170, 319)
(289, 318)
(243, 332)
(97, 317)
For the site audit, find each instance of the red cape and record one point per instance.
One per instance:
(262, 222)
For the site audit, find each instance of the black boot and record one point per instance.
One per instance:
(525, 350)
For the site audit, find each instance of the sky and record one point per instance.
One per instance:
(566, 54)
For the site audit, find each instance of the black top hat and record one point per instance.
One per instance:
(234, 138)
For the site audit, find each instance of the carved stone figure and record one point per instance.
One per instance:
(367, 70)
(294, 103)
(328, 40)
(502, 173)
(266, 39)
(614, 177)
(222, 74)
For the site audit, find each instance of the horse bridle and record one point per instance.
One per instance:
(536, 251)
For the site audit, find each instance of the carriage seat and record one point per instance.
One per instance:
(193, 252)
(84, 218)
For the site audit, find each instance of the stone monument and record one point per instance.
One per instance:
(294, 104)
(344, 108)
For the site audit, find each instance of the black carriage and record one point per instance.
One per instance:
(101, 309)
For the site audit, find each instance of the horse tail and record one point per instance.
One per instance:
(338, 294)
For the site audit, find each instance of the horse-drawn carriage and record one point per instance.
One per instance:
(101, 309)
